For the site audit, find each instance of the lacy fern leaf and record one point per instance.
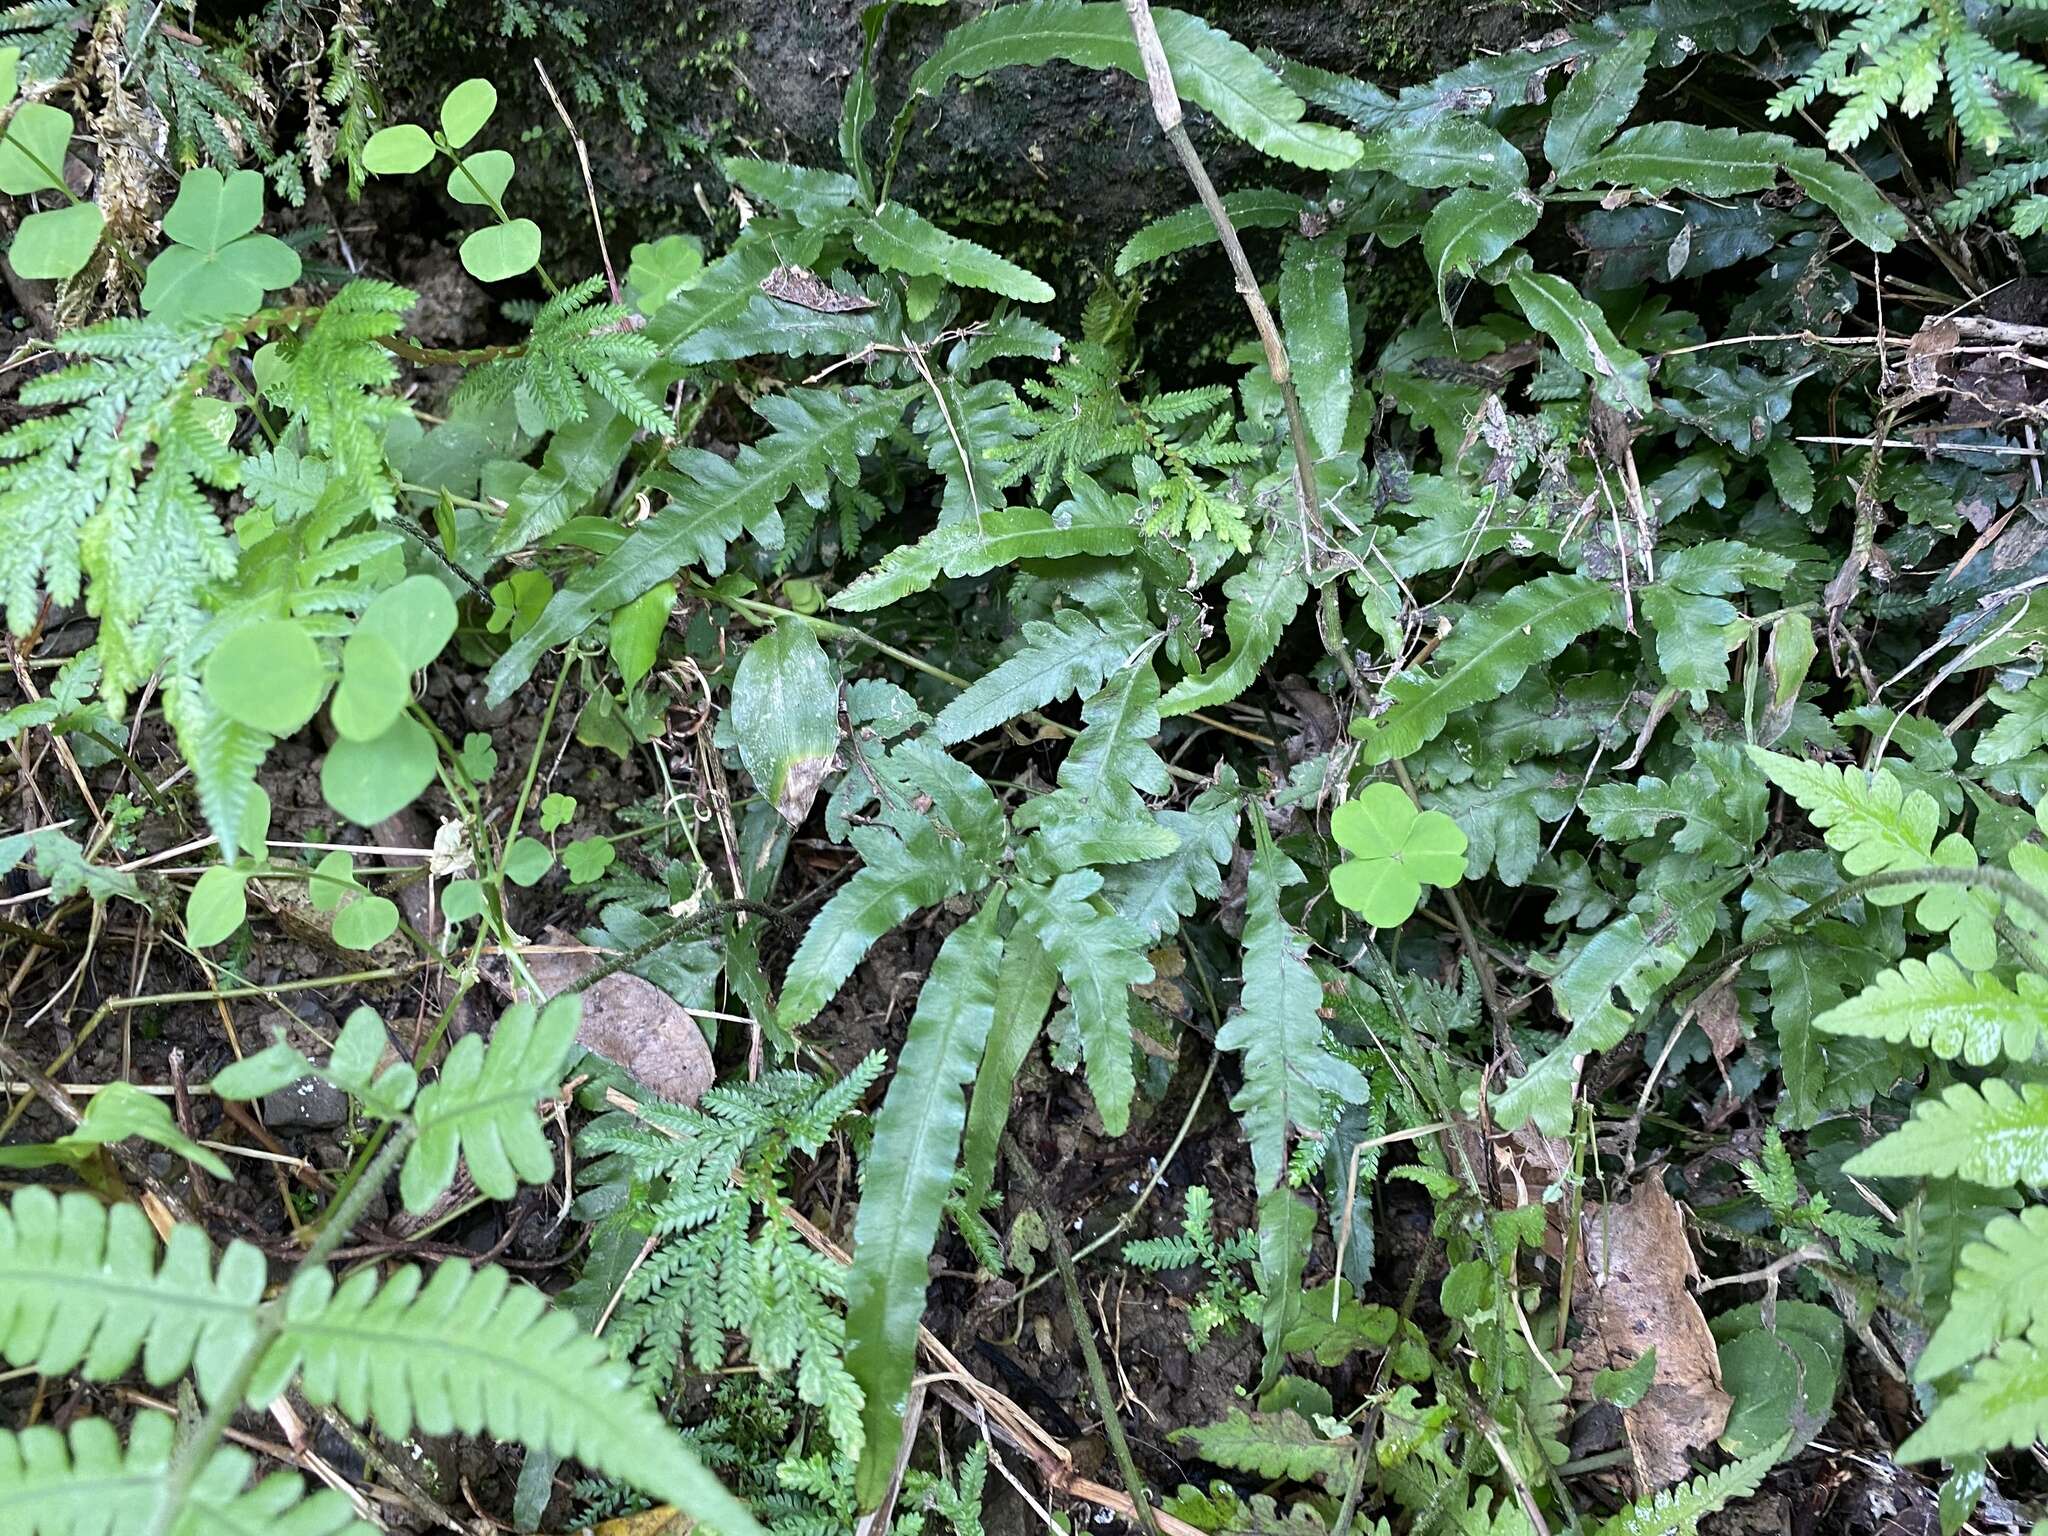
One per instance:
(1938, 1006)
(1995, 1135)
(110, 487)
(575, 345)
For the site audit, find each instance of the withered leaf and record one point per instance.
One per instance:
(1632, 1295)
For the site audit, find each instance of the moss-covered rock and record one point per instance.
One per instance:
(1055, 166)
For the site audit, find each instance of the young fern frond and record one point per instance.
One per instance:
(575, 345)
(1678, 1511)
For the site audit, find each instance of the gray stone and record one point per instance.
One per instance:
(310, 1104)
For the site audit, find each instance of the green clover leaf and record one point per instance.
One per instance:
(1396, 850)
(220, 267)
(33, 148)
(57, 242)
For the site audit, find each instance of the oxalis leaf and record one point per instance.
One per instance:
(1210, 69)
(1487, 654)
(906, 1178)
(1290, 1078)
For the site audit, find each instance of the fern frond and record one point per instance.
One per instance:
(575, 345)
(819, 437)
(85, 1288)
(1487, 654)
(1942, 1008)
(1998, 1293)
(472, 1350)
(1995, 1135)
(1290, 1077)
(86, 1484)
(1678, 1511)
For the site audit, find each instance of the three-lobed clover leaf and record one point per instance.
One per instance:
(1396, 850)
(219, 266)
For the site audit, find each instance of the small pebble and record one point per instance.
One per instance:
(310, 1104)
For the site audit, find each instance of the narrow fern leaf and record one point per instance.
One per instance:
(1597, 100)
(1100, 957)
(1582, 334)
(1112, 761)
(482, 1106)
(84, 1287)
(1473, 228)
(906, 1178)
(1264, 597)
(2000, 1291)
(819, 437)
(2003, 1404)
(1726, 162)
(1065, 655)
(1486, 656)
(1996, 1135)
(1655, 158)
(1098, 524)
(1316, 317)
(1940, 1007)
(1289, 1077)
(1155, 894)
(901, 873)
(1249, 208)
(1210, 69)
(1445, 151)
(474, 1351)
(1023, 994)
(898, 240)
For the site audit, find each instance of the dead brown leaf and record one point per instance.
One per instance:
(629, 1021)
(1632, 1295)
